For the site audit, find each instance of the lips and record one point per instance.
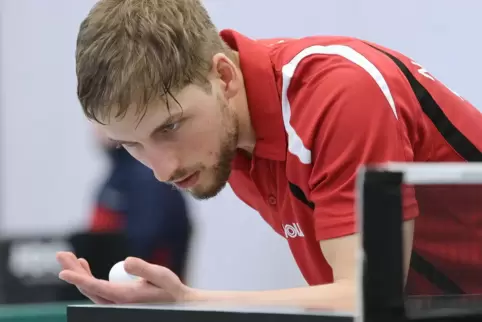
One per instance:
(188, 182)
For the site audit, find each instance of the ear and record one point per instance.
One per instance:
(228, 74)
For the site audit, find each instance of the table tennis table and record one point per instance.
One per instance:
(198, 313)
(436, 309)
(381, 295)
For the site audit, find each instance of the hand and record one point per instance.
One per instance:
(157, 284)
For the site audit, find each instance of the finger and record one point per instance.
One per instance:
(64, 259)
(95, 299)
(121, 293)
(95, 287)
(157, 275)
(69, 261)
(85, 265)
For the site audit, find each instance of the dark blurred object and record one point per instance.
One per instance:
(153, 215)
(443, 305)
(29, 270)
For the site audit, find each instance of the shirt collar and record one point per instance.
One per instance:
(263, 97)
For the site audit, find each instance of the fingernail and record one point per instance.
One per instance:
(62, 277)
(129, 262)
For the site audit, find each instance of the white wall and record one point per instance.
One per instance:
(48, 160)
(49, 164)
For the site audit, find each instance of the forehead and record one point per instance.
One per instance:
(135, 122)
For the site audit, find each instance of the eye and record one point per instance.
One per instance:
(170, 127)
(128, 145)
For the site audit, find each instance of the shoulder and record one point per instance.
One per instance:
(336, 91)
(307, 66)
(308, 61)
(318, 76)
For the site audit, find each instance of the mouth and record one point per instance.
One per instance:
(188, 182)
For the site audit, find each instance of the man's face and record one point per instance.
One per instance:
(191, 144)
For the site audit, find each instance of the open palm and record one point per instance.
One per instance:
(156, 285)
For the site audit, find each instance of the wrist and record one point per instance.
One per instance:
(198, 295)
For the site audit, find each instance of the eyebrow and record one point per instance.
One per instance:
(158, 129)
(166, 123)
(120, 142)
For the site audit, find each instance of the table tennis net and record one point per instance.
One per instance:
(445, 202)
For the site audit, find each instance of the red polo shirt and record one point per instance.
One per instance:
(321, 107)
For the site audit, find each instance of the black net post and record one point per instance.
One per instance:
(381, 230)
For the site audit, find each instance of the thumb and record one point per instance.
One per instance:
(158, 275)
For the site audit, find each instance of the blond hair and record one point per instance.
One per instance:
(130, 52)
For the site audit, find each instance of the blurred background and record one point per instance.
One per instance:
(61, 187)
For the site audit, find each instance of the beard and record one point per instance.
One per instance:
(221, 171)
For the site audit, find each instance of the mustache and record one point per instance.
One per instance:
(183, 173)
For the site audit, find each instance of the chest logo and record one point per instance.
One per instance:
(293, 230)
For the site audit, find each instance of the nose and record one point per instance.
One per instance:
(164, 164)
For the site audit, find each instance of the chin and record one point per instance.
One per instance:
(205, 193)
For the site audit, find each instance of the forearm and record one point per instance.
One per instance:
(339, 295)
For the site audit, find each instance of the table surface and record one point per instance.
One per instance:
(200, 312)
(418, 308)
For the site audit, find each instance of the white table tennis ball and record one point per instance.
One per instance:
(118, 274)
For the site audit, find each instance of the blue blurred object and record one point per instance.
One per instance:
(153, 215)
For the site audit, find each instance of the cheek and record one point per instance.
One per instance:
(204, 143)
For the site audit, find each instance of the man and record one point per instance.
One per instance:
(288, 122)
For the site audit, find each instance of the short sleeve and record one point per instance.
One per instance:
(357, 125)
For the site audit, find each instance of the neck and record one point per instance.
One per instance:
(247, 136)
